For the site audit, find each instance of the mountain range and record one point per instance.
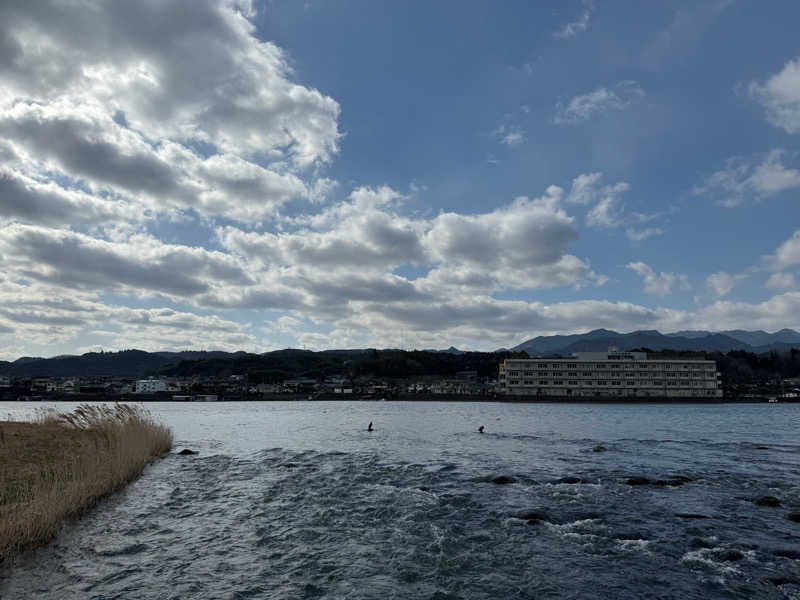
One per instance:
(139, 363)
(601, 340)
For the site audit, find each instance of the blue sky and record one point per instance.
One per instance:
(260, 175)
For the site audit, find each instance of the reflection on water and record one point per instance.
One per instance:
(298, 500)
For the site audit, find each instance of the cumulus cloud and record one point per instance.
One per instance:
(659, 284)
(721, 283)
(142, 265)
(95, 97)
(780, 97)
(742, 179)
(781, 282)
(597, 102)
(786, 255)
(606, 208)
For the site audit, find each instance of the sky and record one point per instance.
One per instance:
(236, 175)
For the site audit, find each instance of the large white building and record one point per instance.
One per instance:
(610, 374)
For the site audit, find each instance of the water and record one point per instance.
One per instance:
(298, 500)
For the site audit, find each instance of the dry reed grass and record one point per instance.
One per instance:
(60, 466)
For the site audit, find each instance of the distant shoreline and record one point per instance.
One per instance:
(498, 398)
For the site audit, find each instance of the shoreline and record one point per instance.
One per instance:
(498, 398)
(61, 465)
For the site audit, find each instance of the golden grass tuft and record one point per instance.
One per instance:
(60, 466)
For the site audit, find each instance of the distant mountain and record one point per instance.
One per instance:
(601, 340)
(762, 338)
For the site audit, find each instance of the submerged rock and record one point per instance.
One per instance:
(791, 554)
(768, 501)
(730, 555)
(186, 452)
(673, 481)
(533, 518)
(691, 516)
(503, 480)
(599, 448)
(794, 516)
(638, 481)
(571, 480)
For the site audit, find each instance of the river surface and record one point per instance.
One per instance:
(297, 500)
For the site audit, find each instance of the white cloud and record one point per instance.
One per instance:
(606, 209)
(509, 135)
(581, 24)
(787, 254)
(92, 100)
(639, 235)
(781, 282)
(659, 284)
(597, 102)
(743, 179)
(721, 283)
(780, 97)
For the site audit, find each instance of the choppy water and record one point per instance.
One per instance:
(297, 500)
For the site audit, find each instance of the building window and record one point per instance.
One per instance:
(543, 382)
(601, 383)
(587, 373)
(616, 383)
(572, 382)
(558, 382)
(572, 365)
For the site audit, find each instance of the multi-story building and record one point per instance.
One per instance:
(610, 374)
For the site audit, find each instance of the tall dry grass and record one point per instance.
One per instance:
(60, 466)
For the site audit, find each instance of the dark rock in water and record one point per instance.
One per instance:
(794, 516)
(534, 518)
(673, 481)
(638, 481)
(186, 452)
(599, 448)
(570, 480)
(445, 596)
(792, 554)
(289, 465)
(768, 501)
(680, 479)
(730, 555)
(762, 447)
(691, 516)
(779, 580)
(503, 480)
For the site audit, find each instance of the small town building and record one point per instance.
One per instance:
(150, 386)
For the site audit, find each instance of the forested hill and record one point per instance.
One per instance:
(735, 366)
(267, 367)
(277, 366)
